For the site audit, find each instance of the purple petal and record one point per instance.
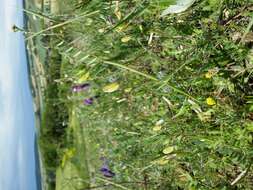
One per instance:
(88, 101)
(105, 168)
(109, 174)
(80, 87)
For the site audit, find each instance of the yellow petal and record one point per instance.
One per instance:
(208, 75)
(126, 39)
(168, 150)
(210, 101)
(111, 87)
(157, 128)
(83, 78)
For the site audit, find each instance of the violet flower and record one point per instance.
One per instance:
(80, 87)
(88, 101)
(105, 169)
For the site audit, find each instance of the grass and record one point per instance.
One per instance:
(157, 129)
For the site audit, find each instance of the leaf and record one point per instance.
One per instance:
(181, 6)
(168, 150)
(111, 87)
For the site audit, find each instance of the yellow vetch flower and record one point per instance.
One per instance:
(168, 150)
(84, 78)
(111, 87)
(210, 101)
(126, 39)
(157, 128)
(208, 75)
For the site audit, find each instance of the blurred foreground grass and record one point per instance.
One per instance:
(169, 100)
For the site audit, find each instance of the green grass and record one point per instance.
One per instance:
(165, 72)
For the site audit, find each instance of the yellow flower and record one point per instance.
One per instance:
(126, 39)
(83, 78)
(111, 87)
(208, 75)
(157, 128)
(168, 150)
(210, 101)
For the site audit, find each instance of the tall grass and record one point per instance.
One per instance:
(180, 118)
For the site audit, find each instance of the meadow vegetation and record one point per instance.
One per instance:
(169, 101)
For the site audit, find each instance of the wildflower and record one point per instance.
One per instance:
(208, 75)
(210, 101)
(80, 87)
(111, 87)
(83, 78)
(88, 101)
(105, 168)
(157, 128)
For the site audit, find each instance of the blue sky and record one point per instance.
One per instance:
(17, 163)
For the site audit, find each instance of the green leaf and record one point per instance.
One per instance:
(180, 6)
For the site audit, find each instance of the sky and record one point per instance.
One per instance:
(17, 131)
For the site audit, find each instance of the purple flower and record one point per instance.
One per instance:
(105, 169)
(107, 172)
(80, 87)
(88, 101)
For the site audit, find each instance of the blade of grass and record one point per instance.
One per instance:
(131, 69)
(148, 77)
(247, 30)
(112, 183)
(61, 24)
(143, 5)
(39, 15)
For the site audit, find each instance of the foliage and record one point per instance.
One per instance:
(189, 74)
